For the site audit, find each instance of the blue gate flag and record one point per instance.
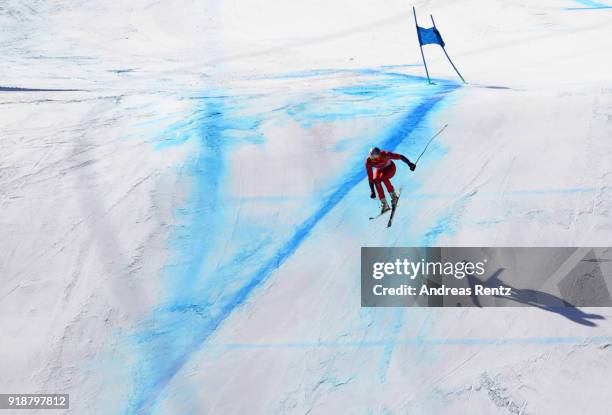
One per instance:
(430, 36)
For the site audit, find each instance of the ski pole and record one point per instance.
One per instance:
(429, 142)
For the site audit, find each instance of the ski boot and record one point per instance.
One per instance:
(394, 199)
(384, 206)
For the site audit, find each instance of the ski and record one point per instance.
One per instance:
(380, 214)
(399, 193)
(393, 208)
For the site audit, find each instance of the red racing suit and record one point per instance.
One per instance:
(385, 170)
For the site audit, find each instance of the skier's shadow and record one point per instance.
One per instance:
(534, 298)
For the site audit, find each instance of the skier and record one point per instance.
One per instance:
(382, 161)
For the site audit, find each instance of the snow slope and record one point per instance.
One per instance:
(183, 202)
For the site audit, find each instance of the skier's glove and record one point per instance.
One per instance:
(372, 195)
(410, 164)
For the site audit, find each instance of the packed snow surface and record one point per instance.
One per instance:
(183, 202)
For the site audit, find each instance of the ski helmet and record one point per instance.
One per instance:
(374, 152)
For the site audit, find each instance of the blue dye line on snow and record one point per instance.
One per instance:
(524, 192)
(448, 221)
(589, 5)
(419, 341)
(314, 73)
(426, 196)
(390, 347)
(176, 350)
(206, 167)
